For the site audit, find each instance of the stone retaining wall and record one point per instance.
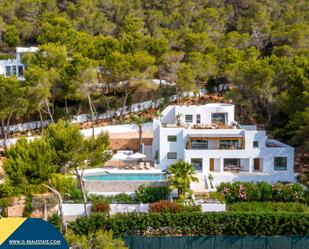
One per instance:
(119, 186)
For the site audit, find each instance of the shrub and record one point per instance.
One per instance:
(152, 194)
(164, 206)
(28, 206)
(196, 224)
(217, 196)
(55, 221)
(267, 207)
(262, 191)
(171, 207)
(9, 190)
(100, 207)
(118, 199)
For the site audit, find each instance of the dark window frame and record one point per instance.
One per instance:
(200, 167)
(198, 118)
(283, 165)
(170, 138)
(171, 153)
(189, 115)
(204, 142)
(217, 120)
(255, 144)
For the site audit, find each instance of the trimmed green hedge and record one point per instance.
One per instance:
(267, 207)
(196, 223)
(262, 191)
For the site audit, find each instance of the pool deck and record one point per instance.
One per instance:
(123, 186)
(95, 171)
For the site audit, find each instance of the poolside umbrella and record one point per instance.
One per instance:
(137, 156)
(120, 156)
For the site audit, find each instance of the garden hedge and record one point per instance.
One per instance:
(267, 207)
(196, 223)
(262, 191)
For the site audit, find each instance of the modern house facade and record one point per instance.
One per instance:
(209, 137)
(15, 66)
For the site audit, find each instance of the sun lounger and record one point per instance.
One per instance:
(147, 165)
(141, 165)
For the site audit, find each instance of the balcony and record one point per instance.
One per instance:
(215, 143)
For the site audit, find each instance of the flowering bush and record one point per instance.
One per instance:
(171, 207)
(100, 207)
(262, 191)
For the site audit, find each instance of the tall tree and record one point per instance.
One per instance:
(39, 91)
(131, 70)
(13, 103)
(76, 153)
(139, 120)
(86, 85)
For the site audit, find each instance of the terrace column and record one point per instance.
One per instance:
(250, 164)
(205, 165)
(221, 165)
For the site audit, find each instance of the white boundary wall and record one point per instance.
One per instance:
(137, 107)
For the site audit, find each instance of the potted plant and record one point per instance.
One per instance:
(211, 178)
(178, 117)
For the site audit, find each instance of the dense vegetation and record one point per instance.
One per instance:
(196, 223)
(259, 48)
(267, 207)
(261, 192)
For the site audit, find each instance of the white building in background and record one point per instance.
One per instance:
(15, 66)
(208, 137)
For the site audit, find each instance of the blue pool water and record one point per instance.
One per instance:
(126, 177)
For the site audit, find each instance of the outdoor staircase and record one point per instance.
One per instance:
(201, 186)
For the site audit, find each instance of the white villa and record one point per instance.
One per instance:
(15, 66)
(208, 137)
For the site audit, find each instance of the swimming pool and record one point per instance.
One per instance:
(126, 177)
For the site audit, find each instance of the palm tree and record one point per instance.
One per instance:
(138, 120)
(180, 175)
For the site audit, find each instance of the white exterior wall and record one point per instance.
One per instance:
(169, 114)
(246, 155)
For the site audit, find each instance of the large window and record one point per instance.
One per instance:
(229, 144)
(14, 70)
(219, 118)
(280, 163)
(189, 118)
(199, 144)
(20, 70)
(198, 118)
(255, 144)
(8, 70)
(231, 163)
(197, 163)
(171, 155)
(172, 138)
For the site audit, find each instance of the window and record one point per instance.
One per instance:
(8, 71)
(255, 144)
(229, 144)
(199, 144)
(188, 118)
(220, 118)
(197, 163)
(14, 70)
(231, 163)
(171, 155)
(198, 118)
(280, 163)
(172, 138)
(20, 70)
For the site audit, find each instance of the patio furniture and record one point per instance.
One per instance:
(141, 166)
(147, 165)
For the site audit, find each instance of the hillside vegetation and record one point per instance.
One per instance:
(259, 48)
